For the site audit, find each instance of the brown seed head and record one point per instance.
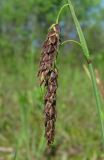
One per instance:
(48, 76)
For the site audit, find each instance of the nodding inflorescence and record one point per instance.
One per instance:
(48, 75)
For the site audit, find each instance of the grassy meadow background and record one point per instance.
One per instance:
(23, 27)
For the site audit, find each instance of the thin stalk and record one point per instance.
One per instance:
(70, 40)
(84, 47)
(97, 97)
(57, 20)
(87, 55)
(79, 31)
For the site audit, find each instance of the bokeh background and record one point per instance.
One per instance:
(23, 27)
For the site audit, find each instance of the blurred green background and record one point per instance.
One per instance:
(23, 28)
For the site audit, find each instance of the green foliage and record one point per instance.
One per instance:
(24, 23)
(21, 125)
(90, 65)
(21, 100)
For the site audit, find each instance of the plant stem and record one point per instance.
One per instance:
(84, 47)
(70, 40)
(57, 20)
(97, 97)
(87, 55)
(79, 31)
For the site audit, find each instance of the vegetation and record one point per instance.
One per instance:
(78, 134)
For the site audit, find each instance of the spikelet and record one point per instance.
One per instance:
(48, 77)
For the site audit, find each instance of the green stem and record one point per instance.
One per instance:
(97, 96)
(73, 41)
(87, 55)
(57, 20)
(84, 47)
(79, 31)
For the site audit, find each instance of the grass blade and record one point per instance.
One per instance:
(79, 30)
(87, 55)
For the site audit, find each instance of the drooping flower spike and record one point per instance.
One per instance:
(48, 75)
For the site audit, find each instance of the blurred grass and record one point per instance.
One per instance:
(21, 111)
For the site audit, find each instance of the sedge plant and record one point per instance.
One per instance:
(46, 71)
